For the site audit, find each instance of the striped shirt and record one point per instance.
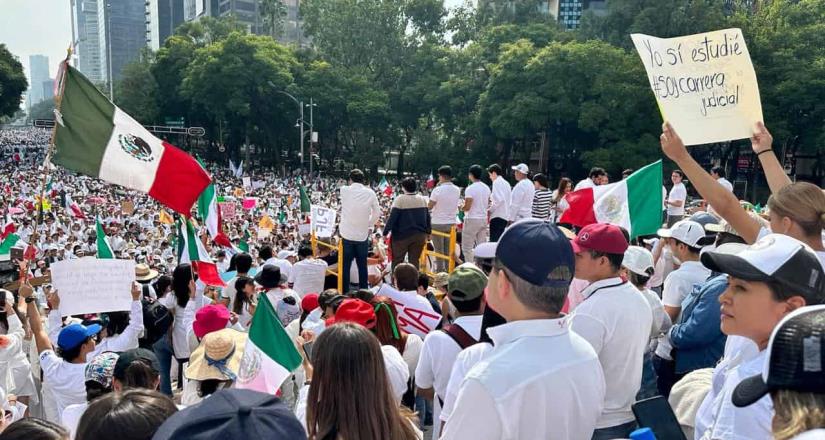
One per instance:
(541, 204)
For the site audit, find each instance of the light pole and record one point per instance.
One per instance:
(312, 139)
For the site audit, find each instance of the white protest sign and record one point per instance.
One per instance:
(91, 285)
(247, 182)
(704, 84)
(323, 221)
(303, 229)
(415, 313)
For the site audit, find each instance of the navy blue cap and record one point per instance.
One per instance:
(233, 413)
(74, 334)
(532, 249)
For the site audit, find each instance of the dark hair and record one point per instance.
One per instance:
(541, 179)
(116, 322)
(32, 428)
(232, 264)
(163, 282)
(406, 277)
(718, 170)
(423, 281)
(385, 318)
(563, 183)
(596, 172)
(409, 184)
(181, 277)
(692, 249)
(72, 353)
(494, 168)
(350, 395)
(326, 297)
(139, 374)
(489, 319)
(265, 252)
(240, 296)
(680, 173)
(210, 386)
(615, 260)
(476, 171)
(468, 306)
(94, 390)
(356, 176)
(445, 171)
(627, 172)
(636, 279)
(134, 414)
(304, 251)
(362, 294)
(243, 262)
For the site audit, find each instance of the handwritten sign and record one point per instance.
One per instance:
(704, 84)
(127, 207)
(91, 285)
(415, 314)
(227, 210)
(323, 221)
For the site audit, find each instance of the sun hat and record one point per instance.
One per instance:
(218, 356)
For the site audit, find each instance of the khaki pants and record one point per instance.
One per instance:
(410, 247)
(474, 233)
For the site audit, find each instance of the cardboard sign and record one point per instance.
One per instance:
(227, 210)
(323, 221)
(415, 314)
(704, 84)
(91, 285)
(127, 207)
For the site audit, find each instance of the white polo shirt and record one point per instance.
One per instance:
(500, 199)
(446, 196)
(616, 320)
(438, 355)
(678, 192)
(540, 381)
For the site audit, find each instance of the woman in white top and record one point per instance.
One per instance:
(245, 301)
(15, 370)
(558, 204)
(184, 300)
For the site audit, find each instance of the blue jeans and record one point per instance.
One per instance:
(649, 387)
(613, 432)
(163, 350)
(424, 408)
(358, 251)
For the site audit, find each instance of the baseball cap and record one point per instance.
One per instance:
(440, 279)
(284, 254)
(233, 413)
(795, 361)
(101, 369)
(638, 260)
(74, 334)
(688, 232)
(354, 310)
(600, 237)
(129, 357)
(775, 257)
(309, 302)
(210, 319)
(521, 168)
(724, 226)
(466, 283)
(485, 250)
(533, 249)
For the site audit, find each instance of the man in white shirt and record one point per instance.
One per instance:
(549, 376)
(684, 239)
(443, 209)
(718, 173)
(616, 320)
(465, 290)
(308, 274)
(597, 176)
(521, 199)
(243, 264)
(676, 199)
(499, 202)
(359, 213)
(475, 229)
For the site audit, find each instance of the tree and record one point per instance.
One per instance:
(12, 82)
(42, 110)
(136, 92)
(273, 13)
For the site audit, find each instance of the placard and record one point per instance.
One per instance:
(247, 182)
(704, 84)
(415, 314)
(91, 285)
(322, 221)
(127, 207)
(227, 210)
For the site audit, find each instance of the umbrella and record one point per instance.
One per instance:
(15, 211)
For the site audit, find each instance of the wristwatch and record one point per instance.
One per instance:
(30, 300)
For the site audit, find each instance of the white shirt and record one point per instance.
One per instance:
(359, 212)
(126, 340)
(586, 183)
(616, 321)
(412, 352)
(446, 196)
(67, 381)
(283, 265)
(439, 353)
(480, 194)
(678, 192)
(307, 276)
(70, 417)
(540, 379)
(521, 200)
(725, 183)
(500, 199)
(464, 362)
(678, 285)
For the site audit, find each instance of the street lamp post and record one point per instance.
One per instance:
(301, 122)
(311, 134)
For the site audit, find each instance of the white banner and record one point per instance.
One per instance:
(323, 221)
(415, 313)
(247, 182)
(91, 285)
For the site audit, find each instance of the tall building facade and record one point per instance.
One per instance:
(162, 17)
(248, 14)
(122, 25)
(567, 12)
(86, 39)
(38, 73)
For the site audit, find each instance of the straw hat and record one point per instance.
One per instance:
(218, 356)
(144, 273)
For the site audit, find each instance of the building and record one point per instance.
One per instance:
(122, 25)
(248, 13)
(47, 87)
(38, 73)
(86, 39)
(567, 12)
(162, 17)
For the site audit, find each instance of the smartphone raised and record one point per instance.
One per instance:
(655, 413)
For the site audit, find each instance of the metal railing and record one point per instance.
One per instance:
(338, 247)
(451, 249)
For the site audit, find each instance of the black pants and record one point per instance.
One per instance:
(666, 375)
(497, 225)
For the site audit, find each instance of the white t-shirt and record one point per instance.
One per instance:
(678, 285)
(521, 200)
(678, 192)
(464, 362)
(500, 199)
(480, 193)
(725, 183)
(70, 417)
(445, 196)
(439, 353)
(307, 276)
(412, 352)
(67, 381)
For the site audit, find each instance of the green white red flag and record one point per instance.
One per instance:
(191, 250)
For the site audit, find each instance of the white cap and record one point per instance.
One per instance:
(284, 254)
(687, 231)
(638, 260)
(521, 168)
(397, 370)
(485, 250)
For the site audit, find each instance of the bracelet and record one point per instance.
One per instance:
(29, 300)
(764, 151)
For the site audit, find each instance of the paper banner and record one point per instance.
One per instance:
(91, 285)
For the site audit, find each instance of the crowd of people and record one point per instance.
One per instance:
(521, 328)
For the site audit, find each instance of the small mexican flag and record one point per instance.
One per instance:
(634, 203)
(96, 138)
(269, 356)
(191, 250)
(210, 214)
(103, 248)
(306, 205)
(384, 186)
(244, 244)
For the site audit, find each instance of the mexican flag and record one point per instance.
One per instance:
(269, 356)
(8, 242)
(211, 215)
(431, 182)
(306, 205)
(96, 138)
(73, 209)
(384, 186)
(191, 250)
(8, 227)
(103, 248)
(634, 203)
(244, 244)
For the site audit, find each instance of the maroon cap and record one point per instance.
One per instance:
(309, 302)
(210, 319)
(354, 310)
(600, 237)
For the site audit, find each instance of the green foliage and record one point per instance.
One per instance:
(12, 82)
(42, 110)
(136, 92)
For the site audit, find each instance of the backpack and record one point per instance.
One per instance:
(156, 319)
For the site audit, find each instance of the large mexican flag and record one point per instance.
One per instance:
(96, 138)
(634, 203)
